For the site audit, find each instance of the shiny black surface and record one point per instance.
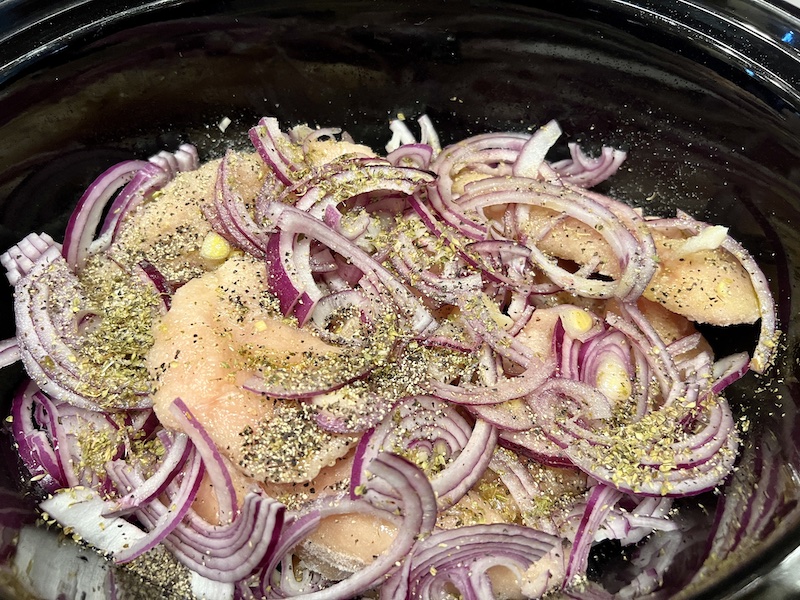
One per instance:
(705, 95)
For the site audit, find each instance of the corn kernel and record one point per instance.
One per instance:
(260, 325)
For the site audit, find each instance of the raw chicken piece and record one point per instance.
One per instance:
(169, 230)
(706, 285)
(218, 331)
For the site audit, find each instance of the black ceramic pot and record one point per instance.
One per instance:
(705, 95)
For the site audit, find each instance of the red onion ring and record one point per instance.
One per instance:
(461, 558)
(212, 459)
(582, 170)
(84, 220)
(637, 266)
(600, 502)
(20, 258)
(415, 499)
(173, 461)
(42, 343)
(9, 352)
(430, 424)
(229, 216)
(180, 503)
(274, 147)
(289, 219)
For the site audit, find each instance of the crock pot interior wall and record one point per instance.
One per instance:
(701, 135)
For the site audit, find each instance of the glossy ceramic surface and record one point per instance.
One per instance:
(704, 95)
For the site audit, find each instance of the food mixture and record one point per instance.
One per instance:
(313, 370)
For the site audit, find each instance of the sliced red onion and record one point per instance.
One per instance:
(203, 587)
(446, 287)
(291, 220)
(327, 308)
(585, 171)
(698, 447)
(630, 529)
(521, 484)
(289, 257)
(180, 503)
(610, 349)
(507, 263)
(20, 258)
(9, 352)
(44, 565)
(230, 217)
(46, 327)
(654, 560)
(401, 135)
(33, 443)
(688, 343)
(147, 180)
(530, 380)
(185, 158)
(214, 464)
(461, 558)
(428, 134)
(645, 256)
(464, 472)
(533, 152)
(319, 134)
(173, 461)
(600, 502)
(661, 363)
(416, 502)
(353, 229)
(431, 425)
(513, 415)
(637, 265)
(323, 261)
(81, 509)
(230, 552)
(366, 178)
(480, 323)
(290, 275)
(652, 481)
(151, 274)
(411, 155)
(352, 416)
(295, 530)
(421, 422)
(275, 149)
(84, 220)
(536, 444)
(58, 439)
(475, 151)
